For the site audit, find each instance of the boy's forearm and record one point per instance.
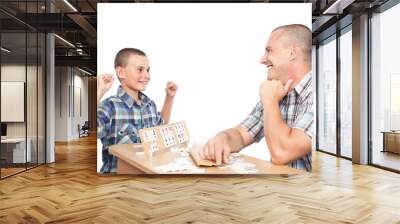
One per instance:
(167, 108)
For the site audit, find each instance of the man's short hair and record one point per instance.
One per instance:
(121, 59)
(299, 34)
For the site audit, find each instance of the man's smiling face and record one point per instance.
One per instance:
(276, 57)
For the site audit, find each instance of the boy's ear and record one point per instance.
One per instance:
(120, 72)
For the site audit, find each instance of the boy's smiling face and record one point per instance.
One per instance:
(135, 75)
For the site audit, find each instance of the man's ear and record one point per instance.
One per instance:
(294, 52)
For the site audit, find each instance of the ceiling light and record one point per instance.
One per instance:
(338, 6)
(70, 5)
(5, 50)
(84, 71)
(64, 40)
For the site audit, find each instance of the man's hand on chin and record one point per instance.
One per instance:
(272, 91)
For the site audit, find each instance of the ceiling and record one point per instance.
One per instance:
(76, 22)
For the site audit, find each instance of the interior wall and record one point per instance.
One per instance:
(61, 103)
(92, 103)
(13, 73)
(80, 102)
(71, 102)
(34, 105)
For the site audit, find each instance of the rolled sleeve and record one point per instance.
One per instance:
(305, 123)
(103, 120)
(254, 124)
(156, 117)
(160, 120)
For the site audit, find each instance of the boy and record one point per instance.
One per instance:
(120, 117)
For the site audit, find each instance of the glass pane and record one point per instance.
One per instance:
(346, 94)
(31, 98)
(31, 84)
(314, 81)
(13, 85)
(327, 96)
(22, 88)
(41, 98)
(385, 89)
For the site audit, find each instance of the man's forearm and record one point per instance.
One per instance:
(234, 139)
(167, 108)
(275, 130)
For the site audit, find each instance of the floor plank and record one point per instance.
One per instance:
(387, 159)
(70, 191)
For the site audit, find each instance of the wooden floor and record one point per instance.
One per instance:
(5, 172)
(10, 171)
(70, 191)
(387, 159)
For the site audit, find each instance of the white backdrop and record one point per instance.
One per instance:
(212, 51)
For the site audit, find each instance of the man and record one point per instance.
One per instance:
(284, 114)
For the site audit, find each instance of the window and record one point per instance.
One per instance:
(385, 89)
(23, 76)
(327, 95)
(346, 92)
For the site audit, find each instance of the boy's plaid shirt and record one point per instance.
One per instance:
(119, 119)
(296, 111)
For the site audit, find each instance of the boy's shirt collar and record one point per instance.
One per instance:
(129, 101)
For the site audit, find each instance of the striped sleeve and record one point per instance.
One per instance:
(305, 120)
(254, 123)
(104, 111)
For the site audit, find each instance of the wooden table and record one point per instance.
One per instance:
(391, 141)
(132, 160)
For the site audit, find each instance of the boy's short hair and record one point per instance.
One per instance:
(121, 59)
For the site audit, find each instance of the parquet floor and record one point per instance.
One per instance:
(387, 159)
(70, 191)
(9, 171)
